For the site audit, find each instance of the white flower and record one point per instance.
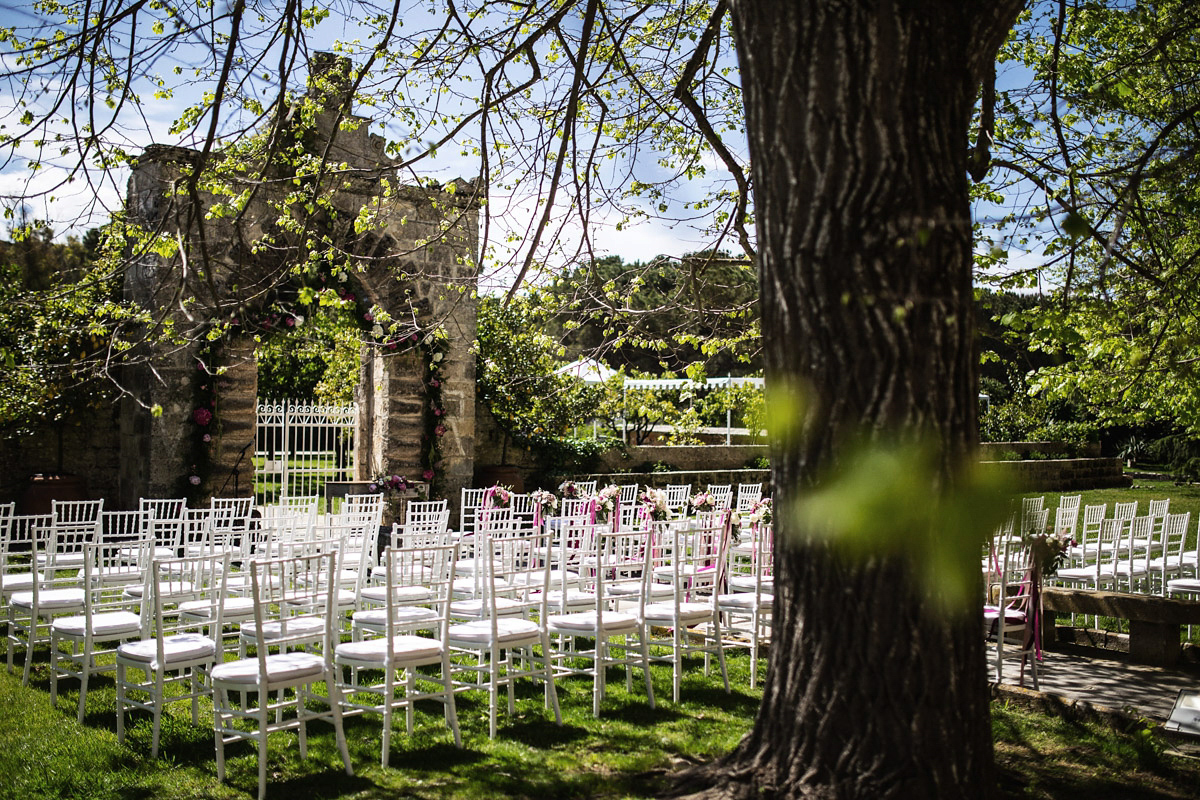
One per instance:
(377, 330)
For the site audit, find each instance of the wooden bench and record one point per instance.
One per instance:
(1153, 621)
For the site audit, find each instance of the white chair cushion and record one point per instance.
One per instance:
(401, 594)
(233, 608)
(281, 668)
(477, 608)
(177, 649)
(298, 626)
(404, 649)
(575, 598)
(49, 599)
(744, 601)
(510, 630)
(587, 622)
(406, 617)
(689, 613)
(15, 582)
(1184, 585)
(746, 583)
(105, 624)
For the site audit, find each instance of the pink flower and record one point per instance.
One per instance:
(291, 322)
(427, 474)
(194, 480)
(391, 345)
(440, 430)
(435, 383)
(202, 416)
(412, 337)
(206, 438)
(369, 317)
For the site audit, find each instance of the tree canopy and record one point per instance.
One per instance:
(1094, 160)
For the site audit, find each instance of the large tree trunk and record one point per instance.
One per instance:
(857, 117)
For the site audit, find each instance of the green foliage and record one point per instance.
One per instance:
(317, 357)
(62, 324)
(517, 380)
(1095, 165)
(663, 315)
(1034, 419)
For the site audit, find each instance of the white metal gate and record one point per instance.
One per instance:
(301, 446)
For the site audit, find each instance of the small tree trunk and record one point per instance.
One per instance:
(857, 117)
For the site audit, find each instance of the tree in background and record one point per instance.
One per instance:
(536, 407)
(1095, 161)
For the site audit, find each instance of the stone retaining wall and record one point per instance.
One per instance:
(1063, 474)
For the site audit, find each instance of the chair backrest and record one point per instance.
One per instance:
(492, 521)
(1137, 541)
(1030, 504)
(518, 569)
(1110, 545)
(423, 508)
(1174, 535)
(1093, 516)
(291, 592)
(1159, 508)
(629, 494)
(748, 494)
(27, 536)
(76, 512)
(678, 496)
(1035, 521)
(693, 561)
(1066, 520)
(429, 567)
(754, 559)
(128, 526)
(426, 524)
(163, 508)
(300, 504)
(1070, 500)
(199, 527)
(363, 503)
(586, 487)
(240, 509)
(106, 572)
(723, 494)
(168, 582)
(1125, 511)
(471, 500)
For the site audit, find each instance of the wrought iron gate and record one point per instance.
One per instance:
(301, 446)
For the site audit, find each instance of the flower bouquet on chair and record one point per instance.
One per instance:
(497, 497)
(545, 503)
(653, 504)
(703, 502)
(604, 503)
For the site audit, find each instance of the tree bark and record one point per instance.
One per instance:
(857, 119)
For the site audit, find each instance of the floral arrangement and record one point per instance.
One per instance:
(605, 502)
(570, 490)
(1048, 551)
(387, 484)
(545, 500)
(497, 497)
(761, 513)
(654, 504)
(702, 502)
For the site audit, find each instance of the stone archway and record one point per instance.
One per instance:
(418, 264)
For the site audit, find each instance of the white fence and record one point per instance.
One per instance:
(301, 446)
